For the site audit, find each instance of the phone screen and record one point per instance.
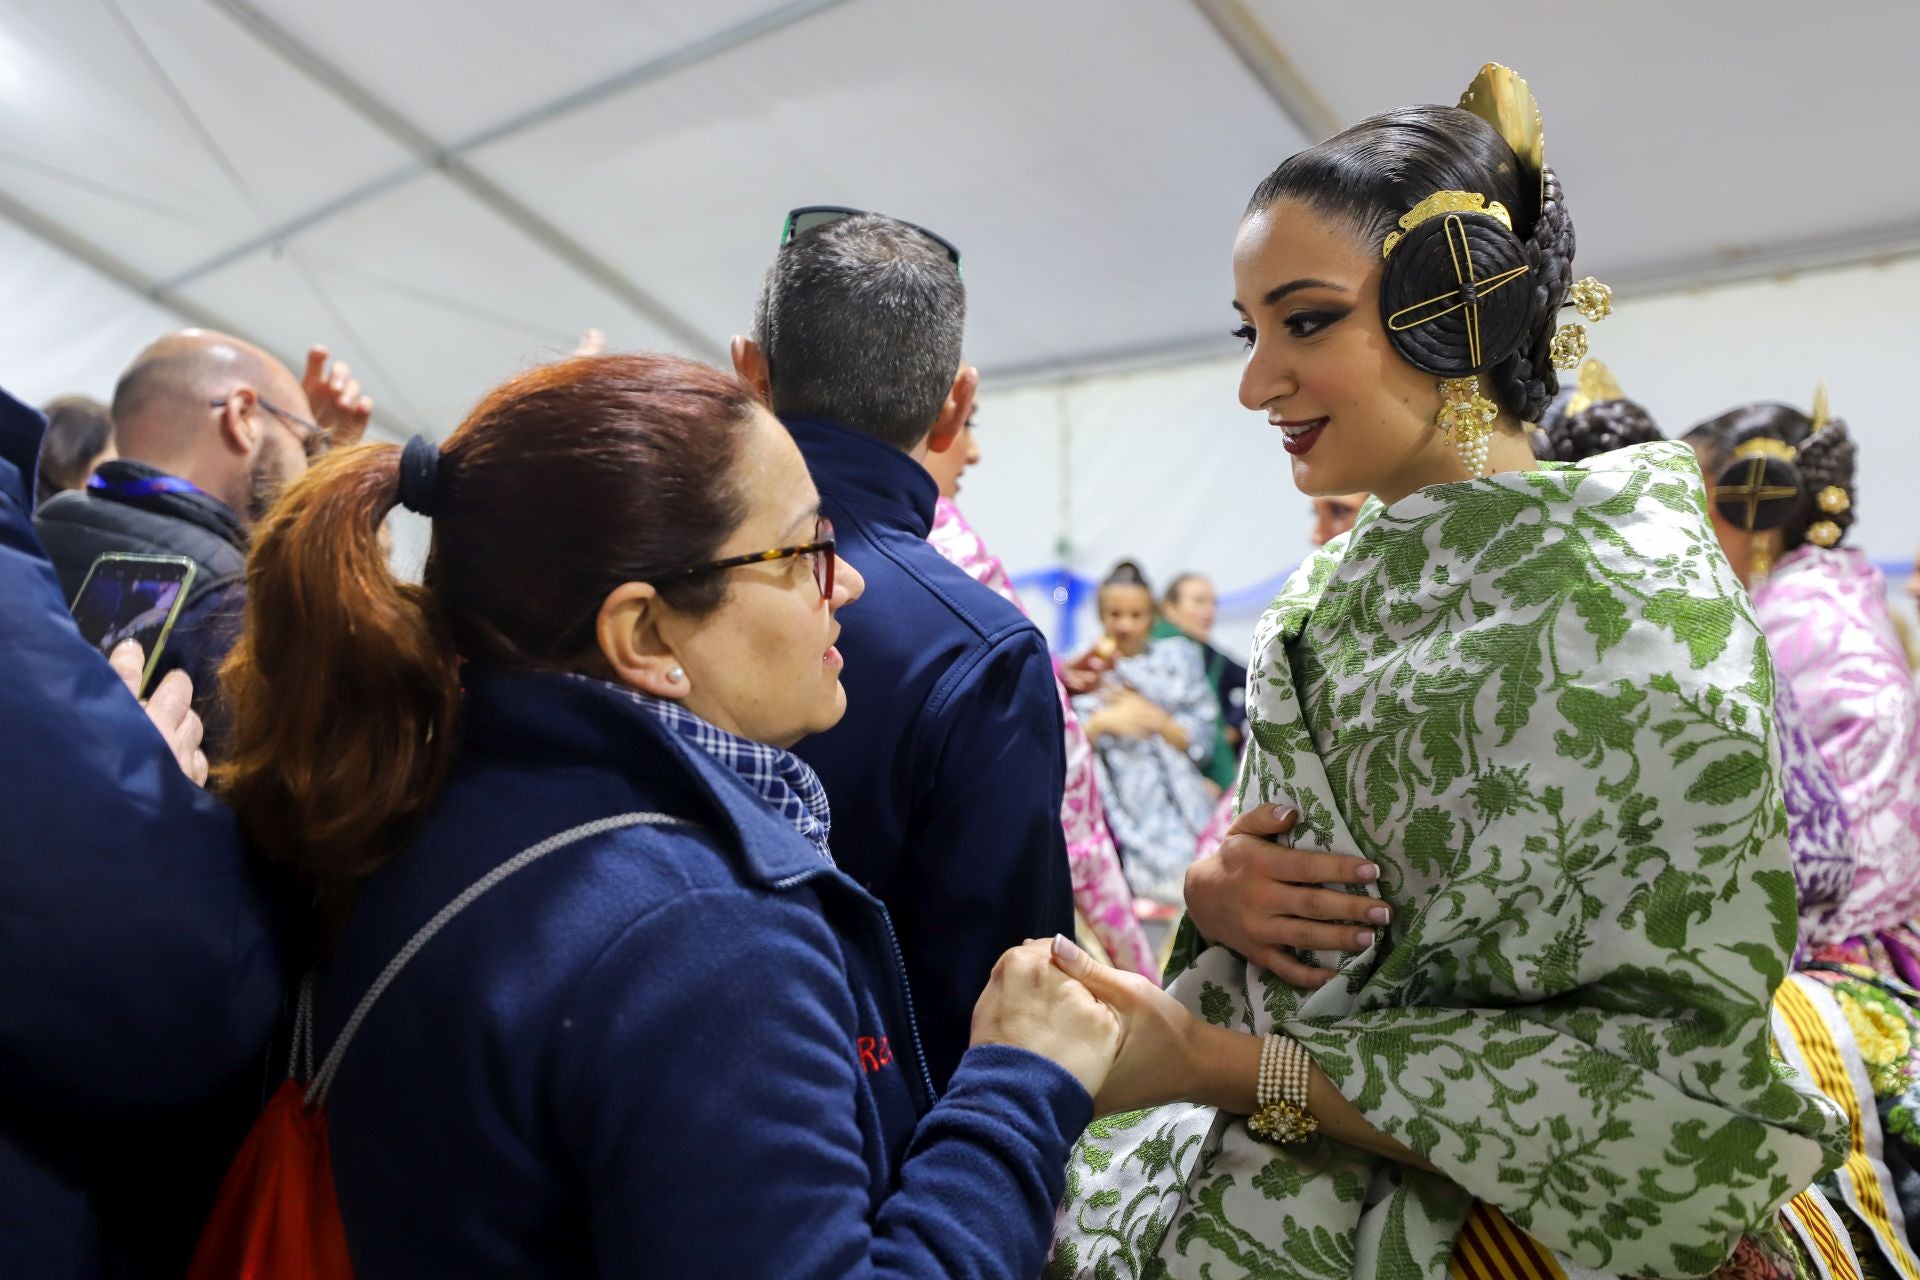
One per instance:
(128, 597)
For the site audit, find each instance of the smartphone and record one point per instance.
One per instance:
(129, 597)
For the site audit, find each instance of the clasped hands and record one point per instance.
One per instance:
(1129, 1042)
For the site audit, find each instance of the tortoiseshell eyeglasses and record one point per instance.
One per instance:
(819, 551)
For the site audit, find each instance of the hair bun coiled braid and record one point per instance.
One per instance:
(1826, 461)
(1822, 459)
(1434, 269)
(1526, 381)
(1599, 428)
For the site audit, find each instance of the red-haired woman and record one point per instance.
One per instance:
(679, 1043)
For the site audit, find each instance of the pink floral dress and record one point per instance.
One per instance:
(1826, 620)
(1100, 892)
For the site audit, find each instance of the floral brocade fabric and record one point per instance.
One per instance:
(1826, 620)
(1100, 892)
(1818, 833)
(1541, 703)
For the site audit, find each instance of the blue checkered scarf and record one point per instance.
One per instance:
(777, 776)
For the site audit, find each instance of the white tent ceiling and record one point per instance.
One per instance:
(445, 191)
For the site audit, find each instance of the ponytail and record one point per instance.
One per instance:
(343, 688)
(564, 482)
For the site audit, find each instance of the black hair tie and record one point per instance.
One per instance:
(419, 475)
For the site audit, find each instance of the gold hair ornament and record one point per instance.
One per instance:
(1823, 533)
(1591, 298)
(1833, 500)
(1821, 414)
(1441, 202)
(1569, 346)
(1501, 98)
(1596, 385)
(1594, 301)
(1767, 447)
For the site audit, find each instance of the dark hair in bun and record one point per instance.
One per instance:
(1126, 574)
(1826, 460)
(1371, 174)
(1599, 428)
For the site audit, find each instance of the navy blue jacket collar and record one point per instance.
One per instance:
(544, 716)
(119, 480)
(869, 475)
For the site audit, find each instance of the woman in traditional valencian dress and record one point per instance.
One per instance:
(1850, 735)
(1852, 1032)
(1536, 700)
(1783, 502)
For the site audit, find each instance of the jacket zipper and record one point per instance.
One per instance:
(905, 992)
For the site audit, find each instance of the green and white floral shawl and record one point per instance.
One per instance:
(1540, 702)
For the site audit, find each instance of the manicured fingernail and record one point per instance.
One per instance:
(1379, 915)
(1367, 871)
(1063, 949)
(1282, 813)
(1363, 939)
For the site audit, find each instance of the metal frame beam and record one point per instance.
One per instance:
(1257, 48)
(450, 161)
(122, 274)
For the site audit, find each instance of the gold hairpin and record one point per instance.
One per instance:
(1821, 415)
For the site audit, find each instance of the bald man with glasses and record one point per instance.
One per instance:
(209, 428)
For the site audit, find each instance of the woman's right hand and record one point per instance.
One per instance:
(1030, 1004)
(1262, 898)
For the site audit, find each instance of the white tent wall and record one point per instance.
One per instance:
(1162, 464)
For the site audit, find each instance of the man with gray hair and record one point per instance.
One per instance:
(946, 772)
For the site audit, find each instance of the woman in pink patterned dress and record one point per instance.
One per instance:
(1784, 497)
(1100, 893)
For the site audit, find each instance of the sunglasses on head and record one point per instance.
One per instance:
(812, 217)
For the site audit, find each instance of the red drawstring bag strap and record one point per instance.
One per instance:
(277, 1217)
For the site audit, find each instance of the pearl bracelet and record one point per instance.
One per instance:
(1281, 1092)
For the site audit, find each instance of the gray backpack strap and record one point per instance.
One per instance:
(323, 1079)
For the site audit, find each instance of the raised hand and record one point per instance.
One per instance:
(335, 396)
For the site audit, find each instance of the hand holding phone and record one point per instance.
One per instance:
(131, 597)
(170, 708)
